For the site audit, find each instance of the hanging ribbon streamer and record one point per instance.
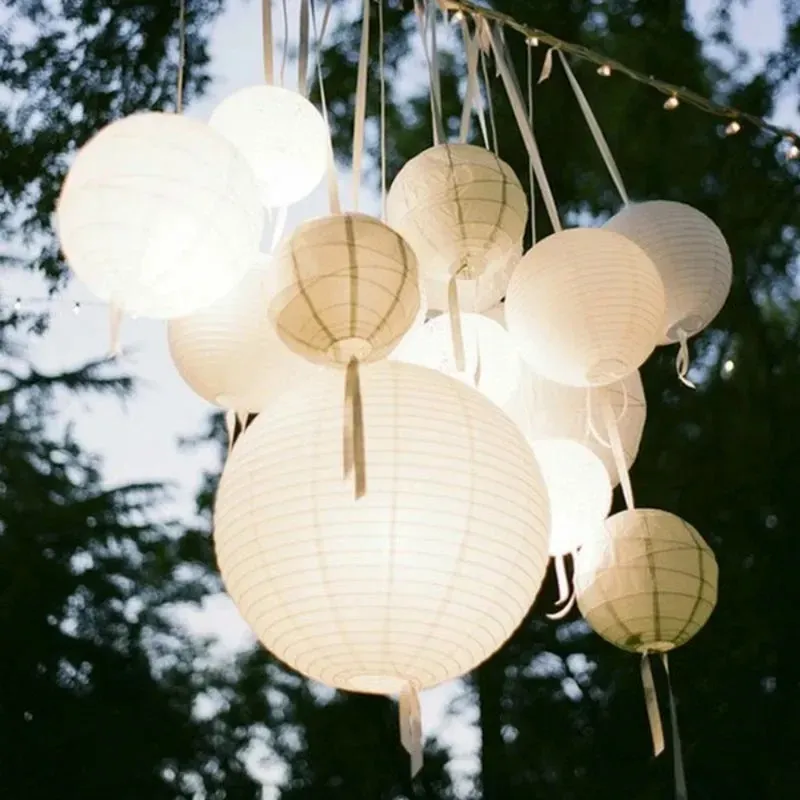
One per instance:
(471, 51)
(617, 450)
(285, 12)
(556, 615)
(562, 580)
(424, 17)
(547, 66)
(677, 751)
(181, 56)
(114, 325)
(382, 72)
(455, 323)
(476, 377)
(353, 431)
(490, 104)
(411, 726)
(302, 52)
(531, 180)
(594, 127)
(361, 105)
(651, 703)
(682, 362)
(266, 38)
(230, 427)
(515, 98)
(590, 427)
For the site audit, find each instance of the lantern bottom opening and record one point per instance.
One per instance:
(377, 684)
(343, 350)
(607, 371)
(655, 647)
(690, 325)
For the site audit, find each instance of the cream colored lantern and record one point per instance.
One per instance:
(585, 307)
(646, 582)
(492, 365)
(422, 579)
(282, 136)
(159, 215)
(230, 354)
(461, 209)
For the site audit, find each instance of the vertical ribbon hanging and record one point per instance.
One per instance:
(353, 430)
(411, 726)
(426, 19)
(677, 751)
(266, 40)
(489, 103)
(302, 52)
(473, 101)
(651, 704)
(454, 313)
(230, 428)
(361, 105)
(531, 180)
(612, 428)
(682, 361)
(382, 78)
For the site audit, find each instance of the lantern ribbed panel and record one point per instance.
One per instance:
(546, 410)
(230, 354)
(159, 215)
(417, 582)
(646, 581)
(691, 255)
(585, 306)
(282, 136)
(460, 208)
(345, 285)
(579, 490)
(489, 354)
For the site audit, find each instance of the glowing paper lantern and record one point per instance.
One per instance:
(461, 209)
(492, 364)
(281, 135)
(579, 490)
(229, 352)
(585, 306)
(498, 314)
(159, 215)
(646, 582)
(416, 583)
(691, 255)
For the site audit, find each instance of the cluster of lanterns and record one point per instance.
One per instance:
(483, 437)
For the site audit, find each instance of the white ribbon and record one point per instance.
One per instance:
(682, 362)
(361, 105)
(230, 427)
(302, 52)
(651, 704)
(411, 726)
(266, 37)
(681, 792)
(617, 451)
(426, 18)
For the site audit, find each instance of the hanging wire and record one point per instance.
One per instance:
(181, 56)
(382, 71)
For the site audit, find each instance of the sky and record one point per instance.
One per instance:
(138, 442)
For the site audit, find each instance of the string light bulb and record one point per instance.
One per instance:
(18, 304)
(732, 128)
(604, 70)
(793, 151)
(532, 41)
(671, 103)
(458, 16)
(728, 367)
(76, 308)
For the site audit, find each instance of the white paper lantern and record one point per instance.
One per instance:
(579, 490)
(546, 410)
(461, 209)
(585, 306)
(230, 354)
(646, 582)
(498, 314)
(159, 215)
(346, 286)
(416, 583)
(691, 255)
(282, 136)
(492, 365)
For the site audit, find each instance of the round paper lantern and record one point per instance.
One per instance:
(579, 490)
(491, 362)
(416, 583)
(646, 582)
(585, 306)
(159, 215)
(230, 354)
(461, 209)
(282, 136)
(346, 287)
(691, 255)
(498, 314)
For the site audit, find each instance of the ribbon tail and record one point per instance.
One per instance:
(230, 427)
(651, 702)
(411, 727)
(353, 443)
(359, 117)
(562, 580)
(590, 426)
(455, 323)
(677, 751)
(556, 615)
(618, 452)
(683, 360)
(115, 324)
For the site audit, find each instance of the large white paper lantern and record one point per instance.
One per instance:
(229, 352)
(585, 306)
(416, 583)
(491, 363)
(461, 209)
(646, 582)
(579, 489)
(691, 255)
(159, 215)
(345, 286)
(282, 136)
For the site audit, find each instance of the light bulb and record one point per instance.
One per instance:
(732, 128)
(604, 70)
(671, 103)
(728, 366)
(793, 152)
(533, 41)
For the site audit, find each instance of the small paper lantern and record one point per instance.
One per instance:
(282, 136)
(492, 365)
(585, 307)
(461, 209)
(159, 215)
(579, 490)
(346, 287)
(646, 582)
(416, 583)
(230, 354)
(691, 255)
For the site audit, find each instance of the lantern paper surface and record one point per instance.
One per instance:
(585, 307)
(461, 209)
(159, 215)
(230, 354)
(691, 255)
(417, 582)
(346, 286)
(492, 364)
(579, 490)
(646, 581)
(282, 136)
